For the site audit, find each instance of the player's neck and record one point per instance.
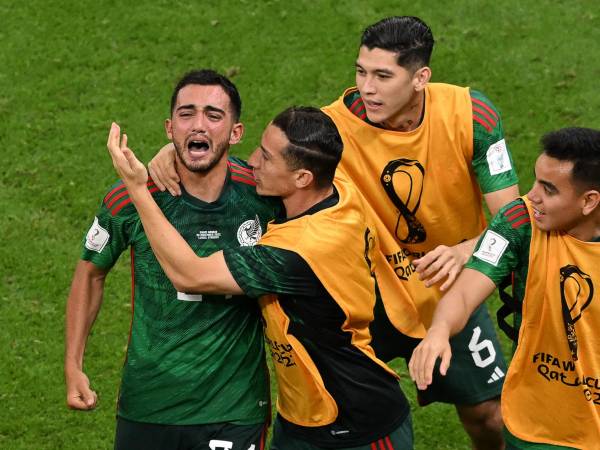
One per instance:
(588, 230)
(410, 117)
(302, 200)
(206, 186)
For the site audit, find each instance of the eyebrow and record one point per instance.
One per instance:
(208, 108)
(377, 71)
(264, 150)
(548, 185)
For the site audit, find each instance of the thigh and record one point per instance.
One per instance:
(477, 369)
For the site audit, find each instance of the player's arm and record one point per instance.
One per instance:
(83, 304)
(492, 162)
(187, 271)
(501, 250)
(451, 315)
(163, 170)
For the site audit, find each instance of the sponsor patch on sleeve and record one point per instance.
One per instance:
(492, 248)
(97, 237)
(497, 158)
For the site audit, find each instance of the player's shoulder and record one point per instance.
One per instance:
(485, 113)
(241, 172)
(118, 202)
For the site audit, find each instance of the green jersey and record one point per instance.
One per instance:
(191, 359)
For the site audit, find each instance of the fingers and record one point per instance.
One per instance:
(79, 394)
(82, 400)
(163, 170)
(156, 175)
(172, 181)
(418, 366)
(445, 364)
(452, 275)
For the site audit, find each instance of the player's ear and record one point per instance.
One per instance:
(236, 133)
(591, 202)
(303, 178)
(421, 77)
(169, 128)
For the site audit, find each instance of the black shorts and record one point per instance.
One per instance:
(217, 436)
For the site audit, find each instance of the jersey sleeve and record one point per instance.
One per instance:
(504, 245)
(111, 231)
(263, 269)
(492, 161)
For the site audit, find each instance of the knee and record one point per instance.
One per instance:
(485, 416)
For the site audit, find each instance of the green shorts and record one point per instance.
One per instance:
(399, 439)
(217, 436)
(477, 368)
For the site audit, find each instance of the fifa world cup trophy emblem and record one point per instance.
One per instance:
(402, 180)
(576, 293)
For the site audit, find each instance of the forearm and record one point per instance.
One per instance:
(454, 309)
(83, 304)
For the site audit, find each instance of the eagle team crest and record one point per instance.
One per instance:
(249, 232)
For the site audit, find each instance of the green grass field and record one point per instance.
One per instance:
(67, 69)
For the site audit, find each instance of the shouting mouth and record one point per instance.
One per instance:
(197, 148)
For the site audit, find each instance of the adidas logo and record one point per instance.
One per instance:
(496, 375)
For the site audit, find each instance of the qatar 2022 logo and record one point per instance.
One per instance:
(576, 293)
(402, 180)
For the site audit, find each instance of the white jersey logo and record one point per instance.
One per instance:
(208, 234)
(491, 248)
(249, 233)
(97, 237)
(497, 158)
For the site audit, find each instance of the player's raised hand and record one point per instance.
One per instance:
(163, 170)
(435, 345)
(442, 262)
(130, 169)
(79, 394)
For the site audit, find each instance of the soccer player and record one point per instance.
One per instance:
(550, 239)
(422, 154)
(195, 373)
(312, 272)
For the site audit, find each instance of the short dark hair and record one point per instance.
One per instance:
(581, 146)
(315, 142)
(208, 77)
(408, 36)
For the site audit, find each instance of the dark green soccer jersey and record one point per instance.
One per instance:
(191, 359)
(492, 161)
(369, 399)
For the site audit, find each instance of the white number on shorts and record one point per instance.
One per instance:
(216, 444)
(476, 348)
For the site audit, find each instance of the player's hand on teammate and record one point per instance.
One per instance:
(130, 169)
(79, 394)
(163, 170)
(442, 262)
(422, 362)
